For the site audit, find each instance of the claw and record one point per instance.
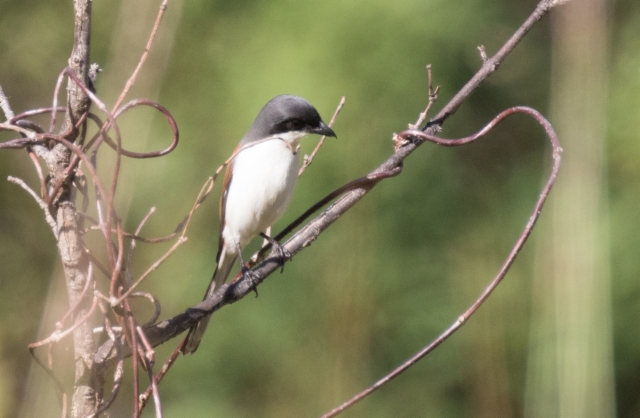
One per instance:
(282, 253)
(251, 276)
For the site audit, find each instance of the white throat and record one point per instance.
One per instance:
(291, 138)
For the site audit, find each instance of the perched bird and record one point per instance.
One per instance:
(258, 185)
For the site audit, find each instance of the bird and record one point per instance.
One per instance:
(259, 181)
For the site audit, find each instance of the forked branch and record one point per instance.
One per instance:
(350, 195)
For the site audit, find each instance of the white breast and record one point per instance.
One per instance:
(264, 177)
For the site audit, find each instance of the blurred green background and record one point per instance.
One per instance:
(559, 338)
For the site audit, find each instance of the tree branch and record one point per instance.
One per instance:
(230, 293)
(556, 153)
(490, 65)
(4, 105)
(88, 384)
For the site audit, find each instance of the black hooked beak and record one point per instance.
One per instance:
(323, 129)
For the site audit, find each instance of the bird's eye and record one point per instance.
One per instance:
(295, 124)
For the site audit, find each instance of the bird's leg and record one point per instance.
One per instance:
(283, 253)
(246, 272)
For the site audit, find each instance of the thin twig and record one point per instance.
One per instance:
(37, 111)
(433, 96)
(96, 262)
(67, 172)
(151, 268)
(202, 195)
(117, 267)
(149, 353)
(156, 394)
(36, 164)
(119, 370)
(133, 341)
(143, 58)
(308, 159)
(29, 136)
(491, 64)
(53, 225)
(145, 295)
(47, 368)
(556, 154)
(80, 183)
(135, 237)
(167, 115)
(5, 106)
(64, 405)
(132, 244)
(18, 143)
(54, 107)
(156, 304)
(150, 359)
(113, 258)
(483, 53)
(165, 368)
(58, 335)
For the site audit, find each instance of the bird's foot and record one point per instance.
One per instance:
(252, 277)
(281, 253)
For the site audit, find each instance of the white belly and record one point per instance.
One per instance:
(264, 177)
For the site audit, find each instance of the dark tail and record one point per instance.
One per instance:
(194, 337)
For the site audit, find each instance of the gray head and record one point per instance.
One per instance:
(286, 113)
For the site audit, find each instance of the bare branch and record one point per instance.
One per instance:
(204, 192)
(165, 368)
(29, 137)
(353, 192)
(308, 159)
(165, 113)
(483, 53)
(119, 370)
(154, 382)
(143, 58)
(58, 335)
(43, 205)
(36, 164)
(63, 152)
(54, 106)
(151, 268)
(132, 245)
(433, 96)
(156, 304)
(5, 106)
(491, 64)
(556, 155)
(88, 383)
(202, 195)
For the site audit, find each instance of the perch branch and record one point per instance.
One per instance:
(230, 293)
